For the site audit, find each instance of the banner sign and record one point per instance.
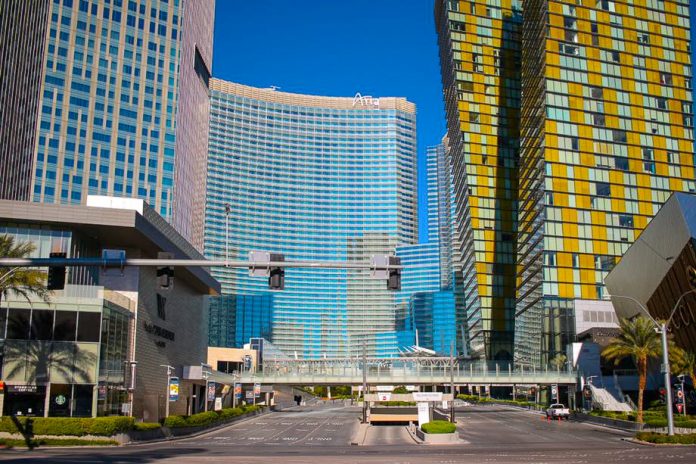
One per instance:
(174, 389)
(218, 403)
(211, 391)
(257, 390)
(238, 391)
(427, 396)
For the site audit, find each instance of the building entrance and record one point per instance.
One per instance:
(25, 400)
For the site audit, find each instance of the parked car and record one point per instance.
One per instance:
(558, 411)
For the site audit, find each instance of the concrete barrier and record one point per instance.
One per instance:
(438, 438)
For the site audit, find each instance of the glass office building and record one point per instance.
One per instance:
(22, 36)
(123, 105)
(313, 178)
(480, 58)
(235, 319)
(613, 86)
(425, 311)
(606, 134)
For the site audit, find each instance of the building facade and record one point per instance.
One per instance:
(425, 310)
(22, 37)
(314, 178)
(101, 345)
(235, 319)
(657, 271)
(480, 58)
(613, 85)
(123, 105)
(606, 134)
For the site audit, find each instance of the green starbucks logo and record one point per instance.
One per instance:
(60, 400)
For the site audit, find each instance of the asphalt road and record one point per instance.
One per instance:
(323, 434)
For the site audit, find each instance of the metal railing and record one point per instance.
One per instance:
(400, 371)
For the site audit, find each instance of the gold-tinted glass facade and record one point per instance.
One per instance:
(615, 140)
(605, 135)
(480, 58)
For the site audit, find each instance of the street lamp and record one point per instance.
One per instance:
(205, 373)
(661, 328)
(130, 367)
(169, 379)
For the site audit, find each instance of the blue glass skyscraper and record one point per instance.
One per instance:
(314, 178)
(425, 311)
(123, 106)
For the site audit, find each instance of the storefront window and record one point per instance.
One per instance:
(88, 327)
(59, 404)
(41, 324)
(18, 324)
(66, 325)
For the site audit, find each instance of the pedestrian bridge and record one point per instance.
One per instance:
(402, 371)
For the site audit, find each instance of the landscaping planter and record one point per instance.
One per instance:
(437, 438)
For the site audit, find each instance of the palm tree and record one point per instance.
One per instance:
(638, 340)
(684, 363)
(23, 281)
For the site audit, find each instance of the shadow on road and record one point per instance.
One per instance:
(111, 455)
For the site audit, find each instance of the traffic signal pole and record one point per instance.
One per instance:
(111, 263)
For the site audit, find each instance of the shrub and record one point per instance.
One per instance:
(146, 426)
(101, 426)
(229, 413)
(108, 426)
(13, 442)
(202, 418)
(651, 437)
(439, 426)
(175, 421)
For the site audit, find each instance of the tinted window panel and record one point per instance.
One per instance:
(66, 325)
(3, 321)
(41, 324)
(88, 327)
(18, 324)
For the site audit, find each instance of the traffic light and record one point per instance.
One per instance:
(56, 275)
(394, 277)
(165, 274)
(276, 276)
(691, 274)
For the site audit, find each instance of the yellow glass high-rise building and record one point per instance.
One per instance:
(606, 134)
(480, 58)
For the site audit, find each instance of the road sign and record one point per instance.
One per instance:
(679, 408)
(427, 396)
(174, 389)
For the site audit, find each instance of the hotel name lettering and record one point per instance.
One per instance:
(158, 331)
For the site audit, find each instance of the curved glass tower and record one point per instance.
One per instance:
(314, 178)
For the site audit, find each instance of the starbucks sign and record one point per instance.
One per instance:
(60, 400)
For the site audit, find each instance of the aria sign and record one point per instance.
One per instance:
(366, 100)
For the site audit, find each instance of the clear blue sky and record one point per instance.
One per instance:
(337, 48)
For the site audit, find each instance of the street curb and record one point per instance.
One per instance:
(635, 441)
(360, 435)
